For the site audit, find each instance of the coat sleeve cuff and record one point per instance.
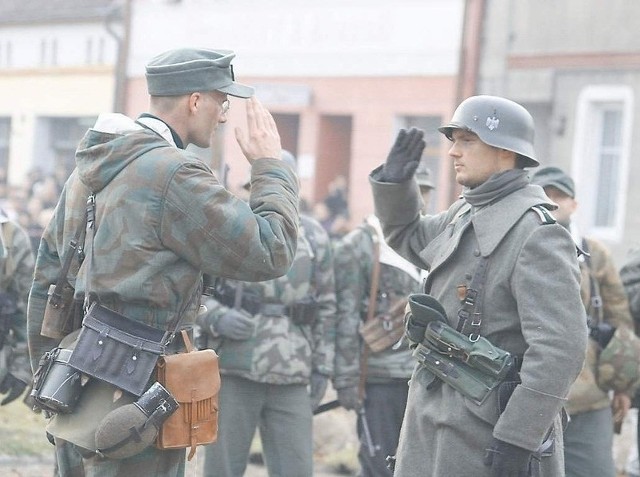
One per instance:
(527, 418)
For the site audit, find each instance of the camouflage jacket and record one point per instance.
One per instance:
(162, 219)
(630, 275)
(354, 257)
(282, 350)
(585, 395)
(16, 273)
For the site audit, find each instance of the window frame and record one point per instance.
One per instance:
(586, 159)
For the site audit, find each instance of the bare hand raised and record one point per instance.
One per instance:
(262, 138)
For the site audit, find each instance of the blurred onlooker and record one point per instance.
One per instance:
(333, 211)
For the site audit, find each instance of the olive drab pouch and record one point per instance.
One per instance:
(384, 330)
(472, 383)
(193, 379)
(117, 350)
(480, 354)
(474, 368)
(618, 366)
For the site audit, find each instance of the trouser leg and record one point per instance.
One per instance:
(286, 431)
(240, 401)
(151, 462)
(384, 409)
(588, 445)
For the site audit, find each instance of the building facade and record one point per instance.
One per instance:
(576, 66)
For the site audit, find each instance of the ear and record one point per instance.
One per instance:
(194, 102)
(507, 158)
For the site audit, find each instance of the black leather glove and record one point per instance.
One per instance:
(12, 387)
(348, 398)
(318, 386)
(507, 460)
(404, 156)
(235, 324)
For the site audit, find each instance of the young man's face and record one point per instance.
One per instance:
(211, 111)
(474, 161)
(567, 205)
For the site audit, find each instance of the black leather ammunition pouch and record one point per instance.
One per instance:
(305, 311)
(115, 349)
(249, 302)
(601, 334)
(56, 385)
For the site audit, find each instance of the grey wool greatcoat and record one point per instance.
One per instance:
(532, 308)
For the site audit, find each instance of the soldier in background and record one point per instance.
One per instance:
(270, 337)
(588, 438)
(630, 275)
(16, 273)
(426, 185)
(373, 383)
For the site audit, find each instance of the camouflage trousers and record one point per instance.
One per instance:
(150, 463)
(282, 412)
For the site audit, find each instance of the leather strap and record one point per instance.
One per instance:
(371, 311)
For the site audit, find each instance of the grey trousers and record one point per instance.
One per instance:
(588, 445)
(283, 416)
(384, 409)
(151, 462)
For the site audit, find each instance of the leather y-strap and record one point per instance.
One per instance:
(76, 245)
(470, 314)
(371, 311)
(595, 311)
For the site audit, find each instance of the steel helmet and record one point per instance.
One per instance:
(498, 122)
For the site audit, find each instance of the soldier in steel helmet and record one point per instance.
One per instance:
(588, 438)
(504, 280)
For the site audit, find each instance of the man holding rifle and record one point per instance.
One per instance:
(502, 334)
(373, 363)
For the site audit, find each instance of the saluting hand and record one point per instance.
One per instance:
(404, 156)
(262, 138)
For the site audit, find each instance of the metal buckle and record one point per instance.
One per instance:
(473, 337)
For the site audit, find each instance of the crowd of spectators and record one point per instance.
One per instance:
(32, 203)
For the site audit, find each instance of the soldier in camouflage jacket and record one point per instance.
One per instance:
(162, 219)
(270, 337)
(387, 371)
(589, 435)
(16, 273)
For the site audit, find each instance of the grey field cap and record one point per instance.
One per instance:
(423, 177)
(551, 176)
(187, 70)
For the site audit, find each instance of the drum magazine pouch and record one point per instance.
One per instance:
(115, 349)
(193, 378)
(56, 385)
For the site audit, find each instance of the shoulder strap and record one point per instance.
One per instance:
(545, 216)
(595, 312)
(76, 244)
(472, 303)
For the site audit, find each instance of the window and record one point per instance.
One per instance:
(601, 159)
